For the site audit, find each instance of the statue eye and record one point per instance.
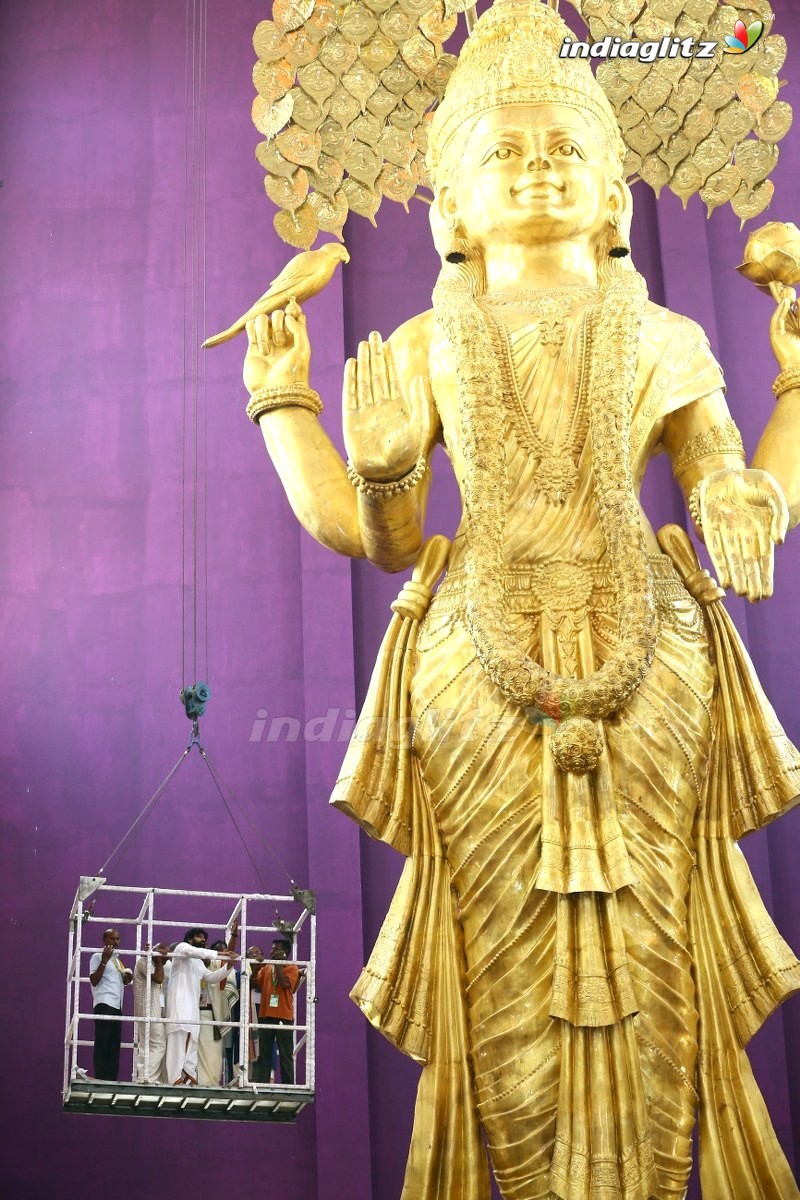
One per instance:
(568, 150)
(503, 153)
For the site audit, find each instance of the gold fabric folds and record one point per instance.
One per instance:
(609, 1157)
(591, 977)
(411, 988)
(583, 849)
(414, 988)
(743, 967)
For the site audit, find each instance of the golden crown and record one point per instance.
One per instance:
(512, 57)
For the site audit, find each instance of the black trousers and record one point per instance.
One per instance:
(107, 1038)
(269, 1033)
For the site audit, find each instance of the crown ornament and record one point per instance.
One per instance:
(513, 56)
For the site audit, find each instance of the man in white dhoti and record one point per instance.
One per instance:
(150, 978)
(189, 969)
(215, 1006)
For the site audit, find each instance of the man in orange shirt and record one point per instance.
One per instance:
(278, 984)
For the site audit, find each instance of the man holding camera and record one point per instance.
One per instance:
(278, 982)
(109, 977)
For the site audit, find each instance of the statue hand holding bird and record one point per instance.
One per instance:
(303, 277)
(278, 353)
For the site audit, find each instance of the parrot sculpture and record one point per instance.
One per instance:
(303, 277)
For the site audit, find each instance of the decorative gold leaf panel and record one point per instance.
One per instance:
(288, 193)
(711, 122)
(291, 14)
(269, 42)
(270, 118)
(273, 161)
(345, 89)
(273, 80)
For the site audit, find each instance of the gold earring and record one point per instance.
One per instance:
(458, 248)
(619, 246)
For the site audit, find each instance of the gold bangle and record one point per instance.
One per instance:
(298, 395)
(786, 381)
(395, 487)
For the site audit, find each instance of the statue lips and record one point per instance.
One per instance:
(537, 189)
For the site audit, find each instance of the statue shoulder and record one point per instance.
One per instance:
(675, 368)
(666, 332)
(410, 344)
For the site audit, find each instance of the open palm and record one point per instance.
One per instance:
(385, 430)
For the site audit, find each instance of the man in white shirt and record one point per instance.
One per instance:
(109, 978)
(189, 970)
(149, 999)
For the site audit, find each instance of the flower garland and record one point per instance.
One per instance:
(615, 320)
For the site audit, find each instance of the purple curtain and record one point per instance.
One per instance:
(93, 141)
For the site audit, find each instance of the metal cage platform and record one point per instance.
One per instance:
(152, 915)
(259, 1103)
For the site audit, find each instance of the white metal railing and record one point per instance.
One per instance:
(257, 914)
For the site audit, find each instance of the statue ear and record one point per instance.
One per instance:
(620, 205)
(442, 217)
(448, 233)
(618, 200)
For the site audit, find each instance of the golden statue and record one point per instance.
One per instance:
(567, 738)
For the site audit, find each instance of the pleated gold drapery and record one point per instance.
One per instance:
(413, 987)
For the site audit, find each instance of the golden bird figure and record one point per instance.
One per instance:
(301, 278)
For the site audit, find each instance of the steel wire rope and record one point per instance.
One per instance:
(148, 808)
(229, 811)
(195, 259)
(219, 780)
(204, 357)
(195, 410)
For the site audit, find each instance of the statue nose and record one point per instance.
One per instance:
(539, 162)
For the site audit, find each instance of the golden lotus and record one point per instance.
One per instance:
(772, 255)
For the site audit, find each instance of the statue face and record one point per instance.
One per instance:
(532, 173)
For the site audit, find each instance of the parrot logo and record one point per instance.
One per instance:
(744, 37)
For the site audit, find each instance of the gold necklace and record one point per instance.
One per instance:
(555, 463)
(549, 307)
(479, 353)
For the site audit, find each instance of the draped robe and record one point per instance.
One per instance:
(559, 945)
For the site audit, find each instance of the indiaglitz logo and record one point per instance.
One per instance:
(744, 37)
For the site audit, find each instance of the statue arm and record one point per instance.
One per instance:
(700, 438)
(777, 450)
(314, 478)
(308, 464)
(390, 427)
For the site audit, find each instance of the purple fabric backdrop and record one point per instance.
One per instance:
(92, 103)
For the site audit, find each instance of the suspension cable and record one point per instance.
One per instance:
(218, 780)
(203, 327)
(148, 808)
(194, 440)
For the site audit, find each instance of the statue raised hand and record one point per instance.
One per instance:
(386, 423)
